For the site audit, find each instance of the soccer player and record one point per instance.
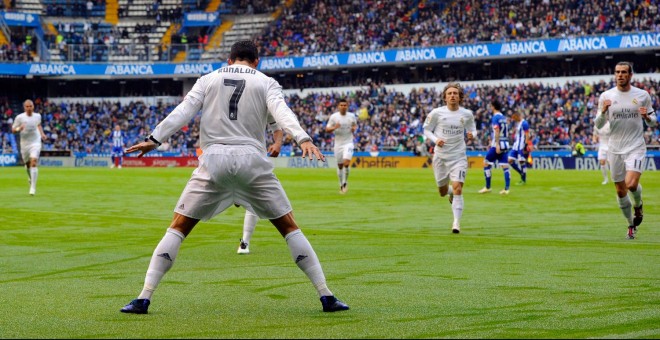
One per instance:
(446, 126)
(518, 154)
(250, 220)
(626, 108)
(343, 124)
(233, 169)
(498, 149)
(602, 136)
(117, 147)
(28, 124)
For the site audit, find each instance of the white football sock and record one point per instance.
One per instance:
(34, 173)
(637, 195)
(249, 223)
(345, 174)
(161, 261)
(625, 204)
(603, 169)
(340, 175)
(457, 208)
(305, 257)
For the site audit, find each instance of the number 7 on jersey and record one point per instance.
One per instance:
(239, 86)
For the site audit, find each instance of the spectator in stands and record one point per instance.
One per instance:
(90, 8)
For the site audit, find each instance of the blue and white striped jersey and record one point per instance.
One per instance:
(500, 121)
(519, 139)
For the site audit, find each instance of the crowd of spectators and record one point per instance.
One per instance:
(75, 8)
(243, 7)
(20, 47)
(309, 26)
(559, 116)
(86, 126)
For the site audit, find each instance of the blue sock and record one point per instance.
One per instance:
(487, 174)
(507, 178)
(515, 167)
(524, 171)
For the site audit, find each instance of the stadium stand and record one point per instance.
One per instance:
(309, 27)
(306, 27)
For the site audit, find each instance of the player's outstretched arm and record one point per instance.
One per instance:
(308, 148)
(143, 147)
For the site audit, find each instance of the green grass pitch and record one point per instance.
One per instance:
(550, 260)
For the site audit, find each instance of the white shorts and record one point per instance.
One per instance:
(344, 152)
(446, 170)
(229, 174)
(30, 151)
(620, 164)
(602, 153)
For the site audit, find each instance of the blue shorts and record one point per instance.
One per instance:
(518, 155)
(492, 156)
(117, 151)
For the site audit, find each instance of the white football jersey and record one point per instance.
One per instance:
(449, 126)
(343, 135)
(235, 102)
(626, 127)
(272, 124)
(30, 135)
(603, 135)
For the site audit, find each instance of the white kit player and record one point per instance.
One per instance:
(343, 124)
(28, 124)
(602, 137)
(626, 108)
(447, 127)
(233, 169)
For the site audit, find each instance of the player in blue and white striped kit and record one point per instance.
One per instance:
(117, 147)
(517, 154)
(498, 149)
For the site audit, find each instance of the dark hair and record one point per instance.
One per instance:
(244, 50)
(496, 105)
(342, 100)
(626, 63)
